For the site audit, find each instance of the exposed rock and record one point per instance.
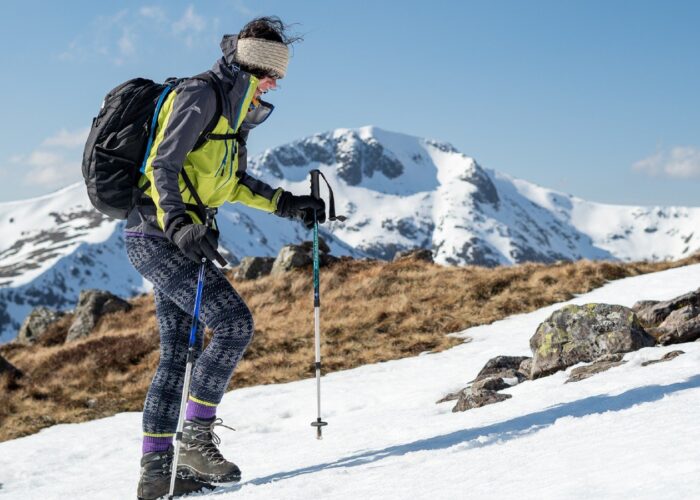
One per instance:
(252, 268)
(643, 304)
(451, 396)
(415, 253)
(468, 399)
(666, 357)
(503, 366)
(292, 256)
(526, 367)
(493, 384)
(92, 305)
(576, 334)
(682, 325)
(653, 314)
(599, 365)
(36, 323)
(497, 374)
(322, 246)
(486, 192)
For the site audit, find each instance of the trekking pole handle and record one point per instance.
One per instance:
(209, 222)
(315, 184)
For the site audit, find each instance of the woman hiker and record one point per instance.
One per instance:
(166, 239)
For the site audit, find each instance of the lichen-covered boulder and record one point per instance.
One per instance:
(252, 268)
(92, 305)
(36, 324)
(576, 334)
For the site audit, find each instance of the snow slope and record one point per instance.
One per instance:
(631, 432)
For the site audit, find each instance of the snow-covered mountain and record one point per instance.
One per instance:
(397, 191)
(630, 432)
(401, 191)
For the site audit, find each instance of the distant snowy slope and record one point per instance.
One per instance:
(630, 432)
(398, 192)
(55, 246)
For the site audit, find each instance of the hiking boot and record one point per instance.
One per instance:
(200, 455)
(155, 477)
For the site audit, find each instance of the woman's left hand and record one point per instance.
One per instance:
(302, 207)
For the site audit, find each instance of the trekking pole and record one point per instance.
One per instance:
(315, 193)
(188, 366)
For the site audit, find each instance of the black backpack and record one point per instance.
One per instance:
(120, 140)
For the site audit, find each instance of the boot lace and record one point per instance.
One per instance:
(166, 464)
(207, 441)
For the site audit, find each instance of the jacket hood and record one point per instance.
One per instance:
(228, 47)
(234, 80)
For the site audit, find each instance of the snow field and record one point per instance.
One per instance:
(630, 432)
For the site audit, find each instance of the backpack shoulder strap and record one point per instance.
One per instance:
(213, 80)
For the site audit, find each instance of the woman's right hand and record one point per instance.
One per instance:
(197, 241)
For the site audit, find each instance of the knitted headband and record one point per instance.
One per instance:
(266, 55)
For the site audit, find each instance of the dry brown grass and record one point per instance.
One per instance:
(371, 312)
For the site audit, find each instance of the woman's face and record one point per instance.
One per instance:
(265, 84)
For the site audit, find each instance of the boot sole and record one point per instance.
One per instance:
(218, 480)
(203, 486)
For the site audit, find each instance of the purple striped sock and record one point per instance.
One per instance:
(156, 444)
(199, 410)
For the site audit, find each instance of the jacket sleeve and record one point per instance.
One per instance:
(249, 190)
(192, 109)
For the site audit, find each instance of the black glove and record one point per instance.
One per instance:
(197, 241)
(301, 207)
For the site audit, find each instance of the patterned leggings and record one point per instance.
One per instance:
(174, 279)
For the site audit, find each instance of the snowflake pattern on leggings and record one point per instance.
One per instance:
(174, 279)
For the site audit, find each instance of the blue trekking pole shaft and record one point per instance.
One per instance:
(188, 371)
(318, 423)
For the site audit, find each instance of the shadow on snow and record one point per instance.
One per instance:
(496, 433)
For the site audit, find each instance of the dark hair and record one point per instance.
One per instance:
(267, 28)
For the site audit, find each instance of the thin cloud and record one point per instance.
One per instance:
(120, 38)
(127, 42)
(680, 162)
(55, 163)
(242, 8)
(51, 169)
(190, 21)
(67, 139)
(154, 13)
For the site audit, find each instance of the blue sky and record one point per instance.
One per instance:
(595, 98)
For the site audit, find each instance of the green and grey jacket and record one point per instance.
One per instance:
(217, 168)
